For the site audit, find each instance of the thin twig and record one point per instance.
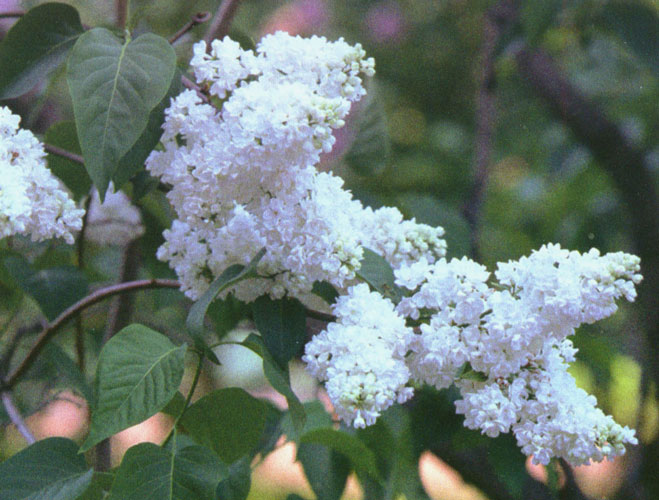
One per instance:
(91, 299)
(189, 84)
(80, 254)
(198, 18)
(220, 24)
(64, 153)
(12, 13)
(16, 418)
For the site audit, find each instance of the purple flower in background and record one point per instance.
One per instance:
(385, 23)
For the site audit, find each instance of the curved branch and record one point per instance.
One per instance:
(16, 417)
(198, 18)
(50, 328)
(220, 25)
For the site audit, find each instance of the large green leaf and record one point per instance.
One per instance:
(377, 272)
(229, 421)
(133, 161)
(148, 472)
(279, 380)
(36, 44)
(114, 87)
(50, 469)
(359, 455)
(139, 371)
(73, 174)
(237, 485)
(282, 325)
(54, 289)
(326, 470)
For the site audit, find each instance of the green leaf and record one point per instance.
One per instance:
(468, 373)
(73, 174)
(36, 44)
(377, 272)
(54, 289)
(282, 325)
(326, 470)
(226, 314)
(138, 372)
(279, 380)
(359, 455)
(99, 487)
(637, 25)
(230, 276)
(371, 147)
(325, 291)
(237, 485)
(175, 405)
(316, 418)
(49, 469)
(58, 365)
(229, 421)
(195, 320)
(132, 162)
(114, 87)
(148, 472)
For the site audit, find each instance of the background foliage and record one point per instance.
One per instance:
(457, 82)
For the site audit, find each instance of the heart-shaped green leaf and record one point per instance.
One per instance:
(114, 87)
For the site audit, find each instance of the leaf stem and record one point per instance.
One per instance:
(64, 153)
(16, 417)
(198, 18)
(122, 13)
(12, 13)
(49, 329)
(220, 24)
(195, 380)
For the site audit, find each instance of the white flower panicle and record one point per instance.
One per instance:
(116, 221)
(243, 175)
(511, 341)
(362, 356)
(31, 198)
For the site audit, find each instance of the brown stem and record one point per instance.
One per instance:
(494, 24)
(189, 84)
(198, 18)
(122, 13)
(220, 24)
(122, 309)
(50, 328)
(16, 418)
(64, 153)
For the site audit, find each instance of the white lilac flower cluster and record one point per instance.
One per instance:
(362, 356)
(31, 199)
(503, 345)
(243, 176)
(242, 169)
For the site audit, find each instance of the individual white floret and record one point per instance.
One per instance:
(32, 200)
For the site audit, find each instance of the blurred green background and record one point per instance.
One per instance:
(413, 144)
